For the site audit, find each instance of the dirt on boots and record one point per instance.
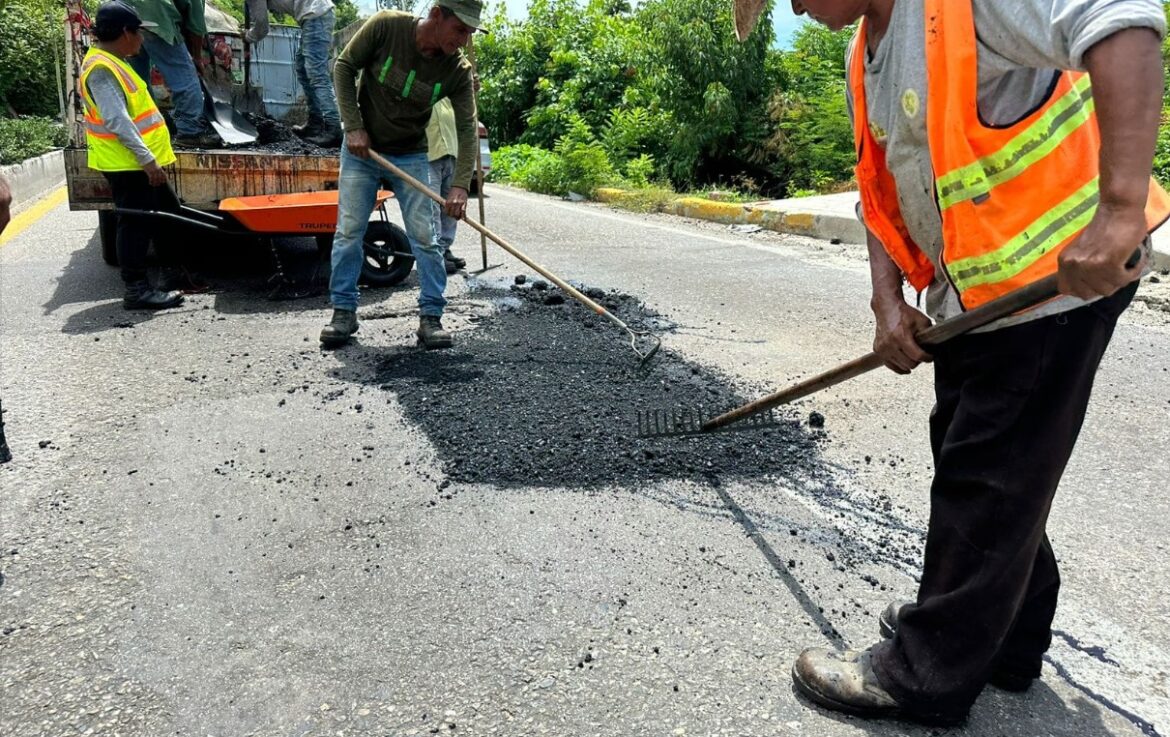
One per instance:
(141, 296)
(340, 329)
(431, 333)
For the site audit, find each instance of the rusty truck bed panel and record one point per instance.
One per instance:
(203, 178)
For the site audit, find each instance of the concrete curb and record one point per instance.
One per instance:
(32, 178)
(775, 216)
(829, 218)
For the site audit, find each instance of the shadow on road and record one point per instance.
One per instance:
(241, 273)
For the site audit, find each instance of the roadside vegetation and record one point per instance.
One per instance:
(662, 97)
(659, 98)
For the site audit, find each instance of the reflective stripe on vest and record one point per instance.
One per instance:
(1041, 138)
(105, 151)
(145, 123)
(1040, 238)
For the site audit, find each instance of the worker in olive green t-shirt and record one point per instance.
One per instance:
(406, 65)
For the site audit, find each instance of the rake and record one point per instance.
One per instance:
(668, 423)
(644, 343)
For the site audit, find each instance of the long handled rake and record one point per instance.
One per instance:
(665, 423)
(644, 343)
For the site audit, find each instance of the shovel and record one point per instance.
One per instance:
(231, 126)
(643, 342)
(658, 423)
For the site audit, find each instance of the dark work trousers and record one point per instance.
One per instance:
(132, 191)
(1008, 408)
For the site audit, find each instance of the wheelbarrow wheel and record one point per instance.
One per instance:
(385, 259)
(108, 236)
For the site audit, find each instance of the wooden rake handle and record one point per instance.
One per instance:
(562, 284)
(1029, 296)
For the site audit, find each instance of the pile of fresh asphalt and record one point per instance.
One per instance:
(278, 138)
(543, 392)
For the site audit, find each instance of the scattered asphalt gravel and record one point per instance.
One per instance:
(544, 393)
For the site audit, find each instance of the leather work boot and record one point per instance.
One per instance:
(207, 139)
(339, 330)
(844, 681)
(431, 333)
(141, 296)
(1002, 677)
(452, 262)
(326, 137)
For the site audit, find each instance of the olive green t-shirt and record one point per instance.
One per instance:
(398, 86)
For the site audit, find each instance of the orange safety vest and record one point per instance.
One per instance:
(1010, 198)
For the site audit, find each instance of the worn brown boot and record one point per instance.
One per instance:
(1002, 676)
(431, 333)
(842, 680)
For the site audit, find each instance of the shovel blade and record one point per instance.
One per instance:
(231, 126)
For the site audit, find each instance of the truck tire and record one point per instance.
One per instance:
(384, 255)
(108, 236)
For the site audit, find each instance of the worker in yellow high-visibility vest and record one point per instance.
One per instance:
(129, 143)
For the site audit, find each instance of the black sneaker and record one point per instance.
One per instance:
(206, 139)
(431, 333)
(142, 296)
(339, 330)
(326, 137)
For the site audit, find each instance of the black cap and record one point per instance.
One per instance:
(114, 17)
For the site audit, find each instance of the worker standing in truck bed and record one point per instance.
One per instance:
(316, 19)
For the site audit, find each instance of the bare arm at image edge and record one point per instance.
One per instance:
(5, 204)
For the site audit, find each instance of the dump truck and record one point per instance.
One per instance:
(242, 176)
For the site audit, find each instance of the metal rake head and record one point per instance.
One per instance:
(657, 423)
(646, 336)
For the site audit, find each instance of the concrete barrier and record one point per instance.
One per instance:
(32, 178)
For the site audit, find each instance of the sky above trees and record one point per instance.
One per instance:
(783, 20)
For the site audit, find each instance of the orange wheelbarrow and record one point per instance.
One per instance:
(387, 255)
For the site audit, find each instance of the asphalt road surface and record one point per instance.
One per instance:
(213, 527)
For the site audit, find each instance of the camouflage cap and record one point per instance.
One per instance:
(467, 11)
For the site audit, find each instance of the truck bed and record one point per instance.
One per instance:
(203, 178)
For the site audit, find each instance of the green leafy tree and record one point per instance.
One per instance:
(31, 41)
(715, 89)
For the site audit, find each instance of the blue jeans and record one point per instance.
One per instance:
(178, 71)
(358, 189)
(313, 68)
(442, 176)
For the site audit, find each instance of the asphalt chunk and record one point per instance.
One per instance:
(546, 394)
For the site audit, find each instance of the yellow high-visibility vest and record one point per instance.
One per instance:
(106, 152)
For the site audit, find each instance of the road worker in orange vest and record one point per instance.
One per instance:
(128, 142)
(987, 161)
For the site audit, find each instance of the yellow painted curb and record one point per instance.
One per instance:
(611, 194)
(25, 219)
